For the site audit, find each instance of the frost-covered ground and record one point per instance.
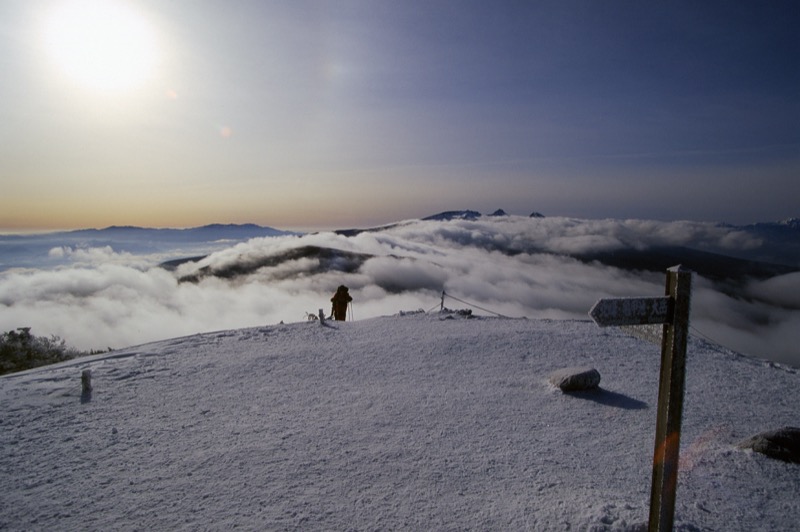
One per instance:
(416, 421)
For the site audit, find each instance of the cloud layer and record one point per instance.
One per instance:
(513, 266)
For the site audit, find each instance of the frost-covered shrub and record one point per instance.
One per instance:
(20, 350)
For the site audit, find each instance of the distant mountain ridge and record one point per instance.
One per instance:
(470, 215)
(203, 233)
(453, 215)
(444, 216)
(791, 223)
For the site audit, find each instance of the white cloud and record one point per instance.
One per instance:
(58, 252)
(782, 290)
(505, 265)
(402, 274)
(96, 255)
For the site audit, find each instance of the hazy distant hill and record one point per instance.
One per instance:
(204, 233)
(36, 250)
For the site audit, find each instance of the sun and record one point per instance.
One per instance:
(101, 44)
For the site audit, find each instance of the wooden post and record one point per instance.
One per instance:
(670, 401)
(673, 311)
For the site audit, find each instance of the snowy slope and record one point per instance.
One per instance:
(416, 421)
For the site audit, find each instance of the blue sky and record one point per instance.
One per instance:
(333, 114)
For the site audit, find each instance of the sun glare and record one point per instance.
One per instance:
(101, 44)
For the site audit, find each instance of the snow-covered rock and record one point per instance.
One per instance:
(782, 444)
(575, 379)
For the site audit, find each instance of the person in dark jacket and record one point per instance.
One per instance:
(340, 301)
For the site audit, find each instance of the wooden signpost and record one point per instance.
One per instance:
(673, 311)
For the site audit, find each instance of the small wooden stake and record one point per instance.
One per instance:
(86, 381)
(86, 386)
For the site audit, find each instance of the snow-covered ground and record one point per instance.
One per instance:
(407, 422)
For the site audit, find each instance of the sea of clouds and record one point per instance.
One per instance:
(514, 266)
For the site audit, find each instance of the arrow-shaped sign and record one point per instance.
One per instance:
(621, 311)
